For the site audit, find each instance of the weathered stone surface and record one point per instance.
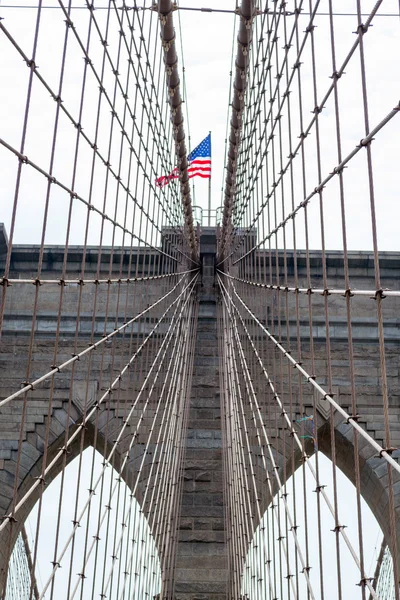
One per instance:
(202, 560)
(201, 553)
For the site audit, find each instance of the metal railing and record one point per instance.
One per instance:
(207, 217)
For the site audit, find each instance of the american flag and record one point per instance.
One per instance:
(200, 159)
(165, 179)
(199, 164)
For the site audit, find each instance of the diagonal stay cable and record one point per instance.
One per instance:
(132, 441)
(180, 339)
(295, 435)
(336, 170)
(349, 419)
(24, 159)
(331, 291)
(180, 319)
(78, 356)
(120, 280)
(96, 407)
(240, 481)
(252, 395)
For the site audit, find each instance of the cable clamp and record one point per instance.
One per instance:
(166, 44)
(353, 418)
(361, 29)
(364, 581)
(27, 384)
(319, 488)
(388, 450)
(378, 294)
(365, 142)
(348, 293)
(9, 518)
(172, 90)
(338, 170)
(336, 75)
(41, 479)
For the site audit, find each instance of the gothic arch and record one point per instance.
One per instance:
(373, 475)
(32, 468)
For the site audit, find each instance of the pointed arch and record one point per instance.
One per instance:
(112, 549)
(272, 556)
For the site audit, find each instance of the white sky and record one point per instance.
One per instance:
(350, 574)
(112, 535)
(207, 42)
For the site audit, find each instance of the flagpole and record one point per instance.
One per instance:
(209, 191)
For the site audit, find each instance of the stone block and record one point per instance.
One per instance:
(218, 524)
(203, 574)
(207, 562)
(204, 443)
(203, 536)
(196, 510)
(207, 486)
(186, 524)
(206, 424)
(205, 476)
(203, 454)
(205, 588)
(202, 499)
(201, 434)
(201, 524)
(187, 500)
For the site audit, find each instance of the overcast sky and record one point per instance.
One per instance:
(350, 574)
(207, 42)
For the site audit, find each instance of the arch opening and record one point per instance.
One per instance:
(84, 544)
(298, 551)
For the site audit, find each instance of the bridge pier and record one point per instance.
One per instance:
(202, 556)
(201, 566)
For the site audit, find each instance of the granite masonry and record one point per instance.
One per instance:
(201, 566)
